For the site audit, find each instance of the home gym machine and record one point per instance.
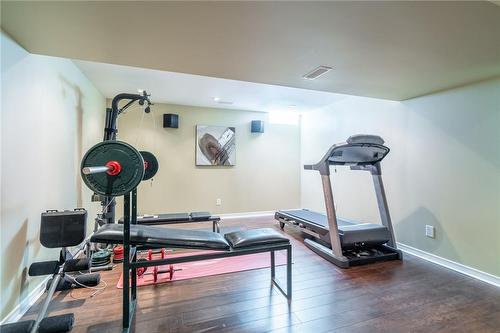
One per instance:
(151, 166)
(115, 168)
(342, 242)
(110, 129)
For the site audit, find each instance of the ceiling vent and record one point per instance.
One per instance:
(317, 72)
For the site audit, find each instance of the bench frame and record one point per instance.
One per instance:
(130, 263)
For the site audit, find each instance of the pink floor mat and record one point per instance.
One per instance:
(196, 269)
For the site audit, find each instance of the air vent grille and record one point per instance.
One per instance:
(317, 72)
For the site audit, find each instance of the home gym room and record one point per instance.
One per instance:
(223, 166)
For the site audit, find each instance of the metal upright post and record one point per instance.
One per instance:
(382, 202)
(331, 216)
(134, 252)
(126, 262)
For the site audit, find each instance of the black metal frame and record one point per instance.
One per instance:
(110, 130)
(130, 263)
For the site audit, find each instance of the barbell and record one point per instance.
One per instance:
(114, 168)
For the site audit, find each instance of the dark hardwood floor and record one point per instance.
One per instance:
(398, 296)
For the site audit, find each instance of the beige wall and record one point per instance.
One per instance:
(443, 168)
(51, 113)
(266, 175)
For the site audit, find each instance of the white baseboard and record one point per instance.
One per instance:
(247, 214)
(469, 271)
(26, 303)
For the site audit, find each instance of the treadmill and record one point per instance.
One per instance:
(343, 242)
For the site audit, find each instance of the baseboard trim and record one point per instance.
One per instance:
(26, 303)
(469, 271)
(247, 214)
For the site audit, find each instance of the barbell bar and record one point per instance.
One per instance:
(112, 168)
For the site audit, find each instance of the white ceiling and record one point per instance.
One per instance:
(187, 89)
(385, 49)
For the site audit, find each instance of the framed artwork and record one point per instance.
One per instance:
(215, 145)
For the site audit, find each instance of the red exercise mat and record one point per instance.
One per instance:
(202, 268)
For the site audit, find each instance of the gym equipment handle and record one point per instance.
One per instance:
(96, 169)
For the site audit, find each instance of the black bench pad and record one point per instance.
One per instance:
(163, 237)
(192, 239)
(174, 218)
(255, 237)
(200, 216)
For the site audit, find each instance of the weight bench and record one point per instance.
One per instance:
(177, 218)
(229, 245)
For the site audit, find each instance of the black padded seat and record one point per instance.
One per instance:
(255, 237)
(161, 237)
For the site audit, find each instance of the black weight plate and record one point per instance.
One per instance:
(151, 164)
(132, 168)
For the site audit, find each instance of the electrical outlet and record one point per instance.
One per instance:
(218, 202)
(430, 231)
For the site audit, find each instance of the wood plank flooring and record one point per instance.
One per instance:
(398, 296)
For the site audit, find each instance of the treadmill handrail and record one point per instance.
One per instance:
(323, 166)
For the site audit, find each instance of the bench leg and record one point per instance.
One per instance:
(289, 272)
(288, 292)
(273, 266)
(216, 227)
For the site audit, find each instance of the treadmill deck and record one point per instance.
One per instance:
(351, 233)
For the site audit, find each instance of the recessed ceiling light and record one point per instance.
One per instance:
(317, 72)
(220, 101)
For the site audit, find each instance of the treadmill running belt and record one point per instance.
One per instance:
(314, 217)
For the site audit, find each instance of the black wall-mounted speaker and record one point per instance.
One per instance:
(257, 126)
(170, 120)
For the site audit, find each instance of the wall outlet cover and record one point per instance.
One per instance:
(430, 231)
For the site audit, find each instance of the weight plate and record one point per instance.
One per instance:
(100, 255)
(130, 176)
(150, 164)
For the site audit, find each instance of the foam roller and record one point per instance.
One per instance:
(89, 280)
(75, 265)
(62, 285)
(57, 324)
